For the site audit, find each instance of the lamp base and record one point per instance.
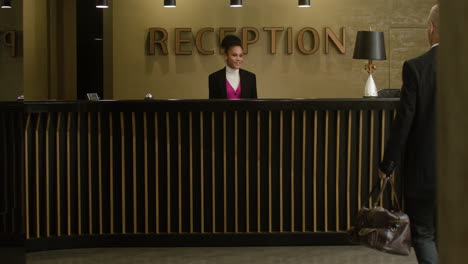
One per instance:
(370, 90)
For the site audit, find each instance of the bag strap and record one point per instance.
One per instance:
(382, 189)
(395, 198)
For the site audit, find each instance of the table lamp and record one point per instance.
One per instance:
(370, 46)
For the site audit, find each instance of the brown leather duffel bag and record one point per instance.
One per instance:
(382, 229)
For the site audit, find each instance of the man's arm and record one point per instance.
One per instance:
(403, 121)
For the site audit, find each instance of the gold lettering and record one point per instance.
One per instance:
(273, 37)
(199, 42)
(249, 35)
(153, 41)
(330, 35)
(245, 38)
(300, 40)
(179, 41)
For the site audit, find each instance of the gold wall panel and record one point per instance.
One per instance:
(343, 76)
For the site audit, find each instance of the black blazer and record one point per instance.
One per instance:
(217, 84)
(413, 137)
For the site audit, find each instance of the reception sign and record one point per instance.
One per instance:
(159, 37)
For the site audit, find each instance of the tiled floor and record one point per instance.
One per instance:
(224, 255)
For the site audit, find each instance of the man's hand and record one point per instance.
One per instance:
(382, 175)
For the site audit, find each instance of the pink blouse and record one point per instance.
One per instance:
(231, 93)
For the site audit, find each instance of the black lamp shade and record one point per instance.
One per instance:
(6, 3)
(304, 3)
(236, 3)
(370, 45)
(169, 3)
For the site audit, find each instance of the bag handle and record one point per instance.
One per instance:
(395, 198)
(382, 189)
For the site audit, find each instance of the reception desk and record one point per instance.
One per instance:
(189, 172)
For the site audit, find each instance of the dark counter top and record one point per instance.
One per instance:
(182, 105)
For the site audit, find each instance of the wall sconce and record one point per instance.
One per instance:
(304, 3)
(370, 45)
(6, 3)
(236, 3)
(169, 3)
(102, 3)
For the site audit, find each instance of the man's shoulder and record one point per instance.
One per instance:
(427, 57)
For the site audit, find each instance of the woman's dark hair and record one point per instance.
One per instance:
(230, 41)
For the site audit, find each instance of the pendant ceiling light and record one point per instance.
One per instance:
(6, 3)
(102, 3)
(169, 3)
(236, 3)
(304, 3)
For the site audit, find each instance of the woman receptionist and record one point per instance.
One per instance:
(232, 82)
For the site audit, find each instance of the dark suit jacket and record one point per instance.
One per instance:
(413, 137)
(217, 84)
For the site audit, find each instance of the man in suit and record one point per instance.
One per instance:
(232, 82)
(413, 141)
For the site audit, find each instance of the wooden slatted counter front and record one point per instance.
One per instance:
(197, 172)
